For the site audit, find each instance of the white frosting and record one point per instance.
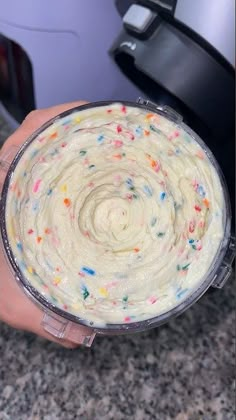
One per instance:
(115, 214)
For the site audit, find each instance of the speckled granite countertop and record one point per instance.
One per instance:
(184, 370)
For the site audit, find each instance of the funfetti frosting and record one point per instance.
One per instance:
(114, 214)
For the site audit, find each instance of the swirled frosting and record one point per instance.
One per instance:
(114, 214)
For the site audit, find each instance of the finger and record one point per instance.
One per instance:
(35, 120)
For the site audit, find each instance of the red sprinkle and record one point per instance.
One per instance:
(197, 208)
(127, 319)
(136, 249)
(30, 231)
(123, 109)
(109, 111)
(119, 129)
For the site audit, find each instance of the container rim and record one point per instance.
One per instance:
(132, 326)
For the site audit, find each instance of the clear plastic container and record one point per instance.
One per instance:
(64, 325)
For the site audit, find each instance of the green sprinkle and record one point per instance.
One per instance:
(153, 221)
(125, 299)
(85, 293)
(91, 166)
(160, 234)
(82, 152)
(178, 267)
(185, 267)
(135, 196)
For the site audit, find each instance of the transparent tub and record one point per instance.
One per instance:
(61, 323)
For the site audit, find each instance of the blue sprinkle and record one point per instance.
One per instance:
(201, 191)
(35, 206)
(34, 153)
(191, 241)
(20, 246)
(177, 151)
(66, 122)
(162, 196)
(139, 131)
(54, 152)
(88, 270)
(147, 190)
(180, 293)
(129, 183)
(22, 266)
(153, 221)
(24, 174)
(49, 191)
(100, 138)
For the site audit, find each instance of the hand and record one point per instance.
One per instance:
(16, 309)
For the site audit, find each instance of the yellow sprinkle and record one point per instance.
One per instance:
(56, 280)
(30, 270)
(77, 119)
(103, 291)
(64, 188)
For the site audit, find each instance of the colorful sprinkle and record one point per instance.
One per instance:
(53, 135)
(153, 221)
(56, 280)
(180, 293)
(119, 128)
(85, 292)
(191, 227)
(103, 291)
(100, 138)
(197, 208)
(49, 192)
(147, 190)
(36, 185)
(127, 319)
(67, 202)
(149, 116)
(123, 109)
(20, 246)
(206, 202)
(83, 152)
(47, 231)
(91, 166)
(39, 239)
(162, 195)
(160, 234)
(136, 250)
(152, 300)
(118, 143)
(63, 188)
(30, 231)
(155, 129)
(88, 271)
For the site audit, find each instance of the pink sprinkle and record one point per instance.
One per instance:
(152, 300)
(123, 109)
(129, 197)
(127, 319)
(201, 224)
(118, 143)
(90, 184)
(191, 227)
(119, 129)
(81, 274)
(109, 111)
(30, 231)
(64, 144)
(36, 185)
